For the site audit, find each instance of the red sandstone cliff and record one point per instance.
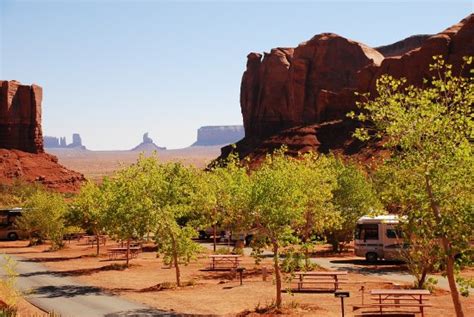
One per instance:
(21, 141)
(300, 96)
(20, 117)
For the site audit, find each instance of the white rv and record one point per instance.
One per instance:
(378, 238)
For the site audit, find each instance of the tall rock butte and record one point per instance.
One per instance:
(22, 155)
(20, 117)
(300, 96)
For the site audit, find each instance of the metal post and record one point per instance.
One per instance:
(342, 306)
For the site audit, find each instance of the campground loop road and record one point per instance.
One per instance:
(62, 295)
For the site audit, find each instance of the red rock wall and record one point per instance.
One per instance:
(315, 82)
(20, 117)
(290, 87)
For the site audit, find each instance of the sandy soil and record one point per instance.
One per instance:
(96, 164)
(148, 281)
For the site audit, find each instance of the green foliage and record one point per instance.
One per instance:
(88, 208)
(173, 197)
(44, 218)
(129, 200)
(295, 260)
(222, 196)
(8, 287)
(430, 176)
(16, 194)
(353, 197)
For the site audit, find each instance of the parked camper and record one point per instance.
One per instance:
(7, 221)
(378, 238)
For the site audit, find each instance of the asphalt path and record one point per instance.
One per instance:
(53, 292)
(360, 266)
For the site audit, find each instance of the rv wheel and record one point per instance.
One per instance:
(371, 257)
(12, 236)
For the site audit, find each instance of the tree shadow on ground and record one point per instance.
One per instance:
(52, 259)
(89, 271)
(148, 312)
(371, 268)
(66, 291)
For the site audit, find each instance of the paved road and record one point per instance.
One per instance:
(52, 291)
(359, 266)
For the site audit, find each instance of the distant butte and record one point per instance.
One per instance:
(219, 135)
(51, 142)
(300, 96)
(147, 145)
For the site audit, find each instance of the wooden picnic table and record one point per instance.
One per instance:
(224, 261)
(398, 298)
(318, 278)
(116, 252)
(93, 239)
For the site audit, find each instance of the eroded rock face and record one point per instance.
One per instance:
(291, 87)
(404, 46)
(20, 117)
(291, 95)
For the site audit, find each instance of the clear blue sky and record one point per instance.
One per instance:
(112, 70)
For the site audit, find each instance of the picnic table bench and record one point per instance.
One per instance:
(397, 299)
(224, 261)
(93, 239)
(333, 278)
(118, 252)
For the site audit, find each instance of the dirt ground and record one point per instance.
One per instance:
(149, 281)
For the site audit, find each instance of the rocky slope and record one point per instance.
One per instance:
(37, 167)
(22, 155)
(291, 94)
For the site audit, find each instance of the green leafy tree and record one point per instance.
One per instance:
(44, 218)
(88, 210)
(353, 197)
(173, 200)
(223, 196)
(430, 132)
(277, 205)
(129, 199)
(317, 178)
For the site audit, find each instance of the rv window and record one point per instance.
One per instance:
(393, 233)
(4, 220)
(367, 232)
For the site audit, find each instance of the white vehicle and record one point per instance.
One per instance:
(378, 238)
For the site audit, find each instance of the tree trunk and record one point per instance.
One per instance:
(448, 252)
(176, 263)
(97, 238)
(452, 281)
(128, 251)
(422, 280)
(276, 264)
(214, 229)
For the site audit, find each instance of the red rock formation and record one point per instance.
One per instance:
(404, 46)
(41, 167)
(21, 141)
(20, 117)
(287, 97)
(291, 87)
